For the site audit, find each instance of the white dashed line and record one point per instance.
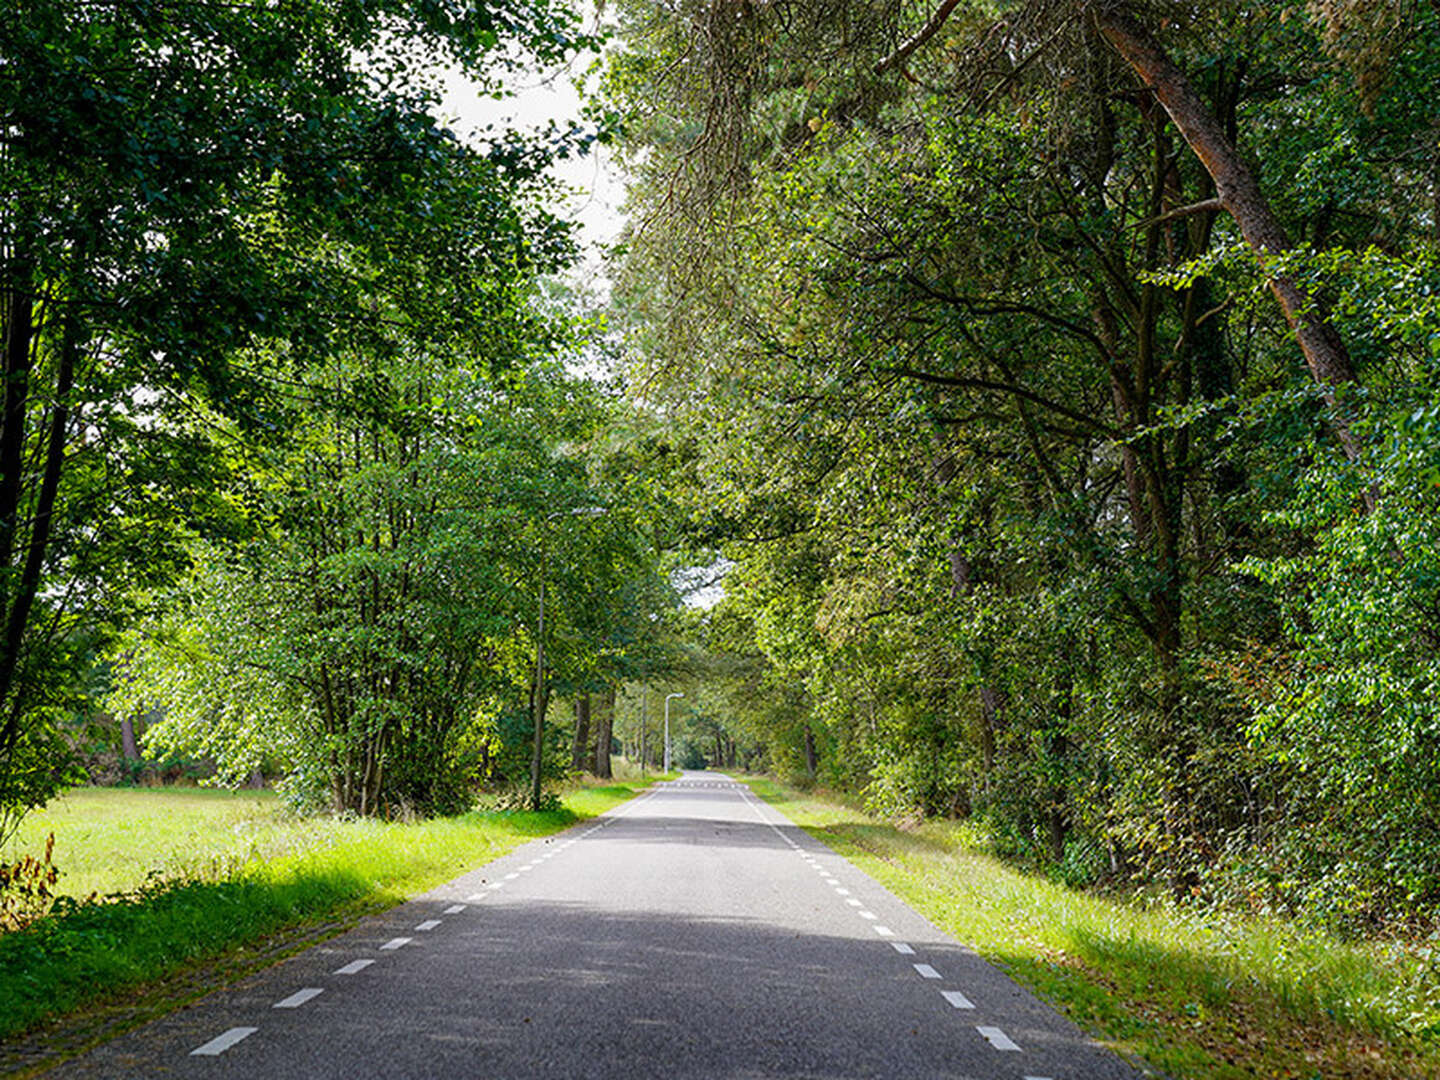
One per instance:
(511, 877)
(1035, 1078)
(475, 898)
(354, 967)
(428, 924)
(902, 948)
(867, 914)
(997, 1038)
(925, 971)
(221, 1043)
(497, 885)
(854, 903)
(295, 1000)
(527, 869)
(958, 1000)
(884, 931)
(454, 909)
(396, 943)
(842, 892)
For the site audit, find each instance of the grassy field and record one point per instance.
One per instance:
(206, 873)
(1194, 995)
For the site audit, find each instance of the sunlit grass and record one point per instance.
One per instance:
(1193, 993)
(224, 871)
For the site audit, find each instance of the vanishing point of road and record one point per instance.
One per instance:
(692, 932)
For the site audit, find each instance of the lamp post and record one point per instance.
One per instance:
(667, 728)
(537, 693)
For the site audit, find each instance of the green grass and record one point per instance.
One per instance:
(231, 870)
(1195, 995)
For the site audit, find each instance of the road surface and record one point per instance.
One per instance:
(693, 932)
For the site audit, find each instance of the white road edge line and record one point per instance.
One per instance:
(218, 1045)
(396, 942)
(958, 1000)
(298, 998)
(925, 971)
(997, 1038)
(354, 967)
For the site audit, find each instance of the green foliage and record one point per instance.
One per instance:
(177, 247)
(1033, 513)
(373, 637)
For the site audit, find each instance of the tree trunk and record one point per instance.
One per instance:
(579, 747)
(128, 746)
(1240, 194)
(604, 726)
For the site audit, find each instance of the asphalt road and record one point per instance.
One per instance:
(692, 932)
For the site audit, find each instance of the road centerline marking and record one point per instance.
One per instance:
(354, 967)
(223, 1042)
(925, 971)
(396, 943)
(428, 924)
(867, 914)
(884, 931)
(997, 1038)
(454, 909)
(958, 1000)
(903, 949)
(300, 997)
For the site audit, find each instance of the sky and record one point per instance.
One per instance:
(538, 98)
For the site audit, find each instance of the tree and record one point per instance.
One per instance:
(991, 401)
(182, 184)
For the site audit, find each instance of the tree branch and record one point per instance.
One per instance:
(900, 55)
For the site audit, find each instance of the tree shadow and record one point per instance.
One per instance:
(544, 989)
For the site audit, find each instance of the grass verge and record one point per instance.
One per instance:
(1196, 996)
(229, 896)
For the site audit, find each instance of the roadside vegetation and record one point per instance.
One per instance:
(1196, 993)
(187, 877)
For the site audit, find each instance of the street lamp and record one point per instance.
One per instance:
(667, 728)
(537, 704)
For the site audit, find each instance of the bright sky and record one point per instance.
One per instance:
(539, 98)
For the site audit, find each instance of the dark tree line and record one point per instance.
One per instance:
(1062, 382)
